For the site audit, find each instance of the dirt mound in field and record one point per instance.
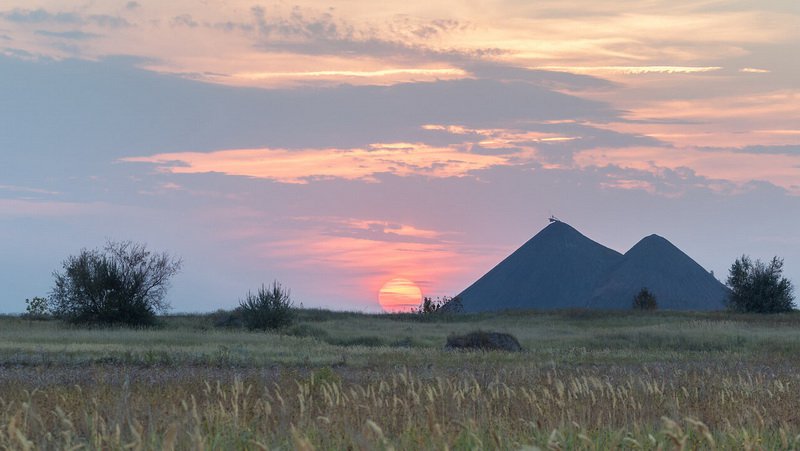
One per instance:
(560, 268)
(556, 269)
(677, 281)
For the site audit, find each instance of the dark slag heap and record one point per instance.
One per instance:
(561, 268)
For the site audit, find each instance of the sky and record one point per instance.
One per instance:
(338, 148)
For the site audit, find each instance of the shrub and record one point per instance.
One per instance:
(759, 287)
(122, 284)
(36, 309)
(428, 306)
(269, 308)
(440, 305)
(485, 341)
(645, 300)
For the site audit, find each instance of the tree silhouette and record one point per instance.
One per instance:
(645, 300)
(123, 284)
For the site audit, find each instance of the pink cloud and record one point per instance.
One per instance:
(298, 166)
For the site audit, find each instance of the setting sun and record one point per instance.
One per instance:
(399, 296)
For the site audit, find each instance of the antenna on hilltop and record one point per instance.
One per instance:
(553, 218)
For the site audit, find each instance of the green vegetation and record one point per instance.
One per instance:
(333, 380)
(645, 300)
(269, 308)
(759, 287)
(36, 308)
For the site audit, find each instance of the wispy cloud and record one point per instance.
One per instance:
(40, 16)
(73, 34)
(731, 166)
(302, 166)
(753, 70)
(633, 70)
(184, 20)
(382, 73)
(28, 190)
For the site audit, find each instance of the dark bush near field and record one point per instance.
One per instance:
(485, 341)
(36, 309)
(122, 284)
(645, 300)
(269, 308)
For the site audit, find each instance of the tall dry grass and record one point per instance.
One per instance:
(478, 407)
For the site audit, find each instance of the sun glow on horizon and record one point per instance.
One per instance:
(399, 296)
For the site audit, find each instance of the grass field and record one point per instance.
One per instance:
(592, 380)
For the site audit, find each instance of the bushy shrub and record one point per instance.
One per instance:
(36, 309)
(122, 284)
(269, 308)
(645, 300)
(759, 287)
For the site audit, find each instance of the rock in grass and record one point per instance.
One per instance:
(485, 341)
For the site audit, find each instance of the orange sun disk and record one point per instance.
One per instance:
(399, 296)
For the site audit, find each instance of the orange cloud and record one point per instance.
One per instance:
(299, 166)
(239, 44)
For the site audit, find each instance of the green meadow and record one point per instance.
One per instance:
(337, 380)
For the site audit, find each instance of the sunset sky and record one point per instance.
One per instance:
(337, 148)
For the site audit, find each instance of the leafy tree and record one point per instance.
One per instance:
(269, 308)
(759, 287)
(122, 284)
(645, 300)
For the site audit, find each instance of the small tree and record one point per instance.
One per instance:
(122, 284)
(36, 308)
(759, 287)
(269, 308)
(645, 300)
(428, 306)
